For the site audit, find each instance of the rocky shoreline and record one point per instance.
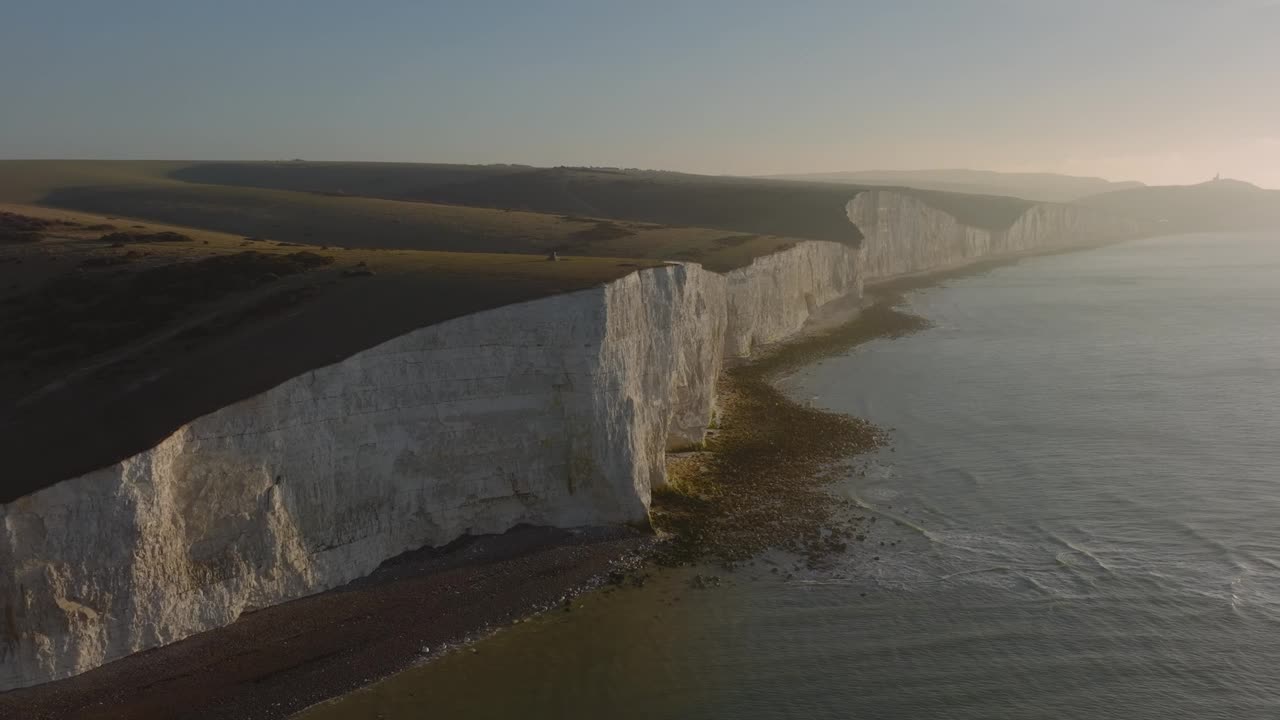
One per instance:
(279, 660)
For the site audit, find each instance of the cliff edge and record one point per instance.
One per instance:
(556, 411)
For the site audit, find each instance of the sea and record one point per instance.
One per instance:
(1078, 517)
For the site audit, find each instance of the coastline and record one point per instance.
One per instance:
(963, 562)
(729, 530)
(280, 660)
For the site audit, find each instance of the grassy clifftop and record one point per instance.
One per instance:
(811, 210)
(117, 332)
(136, 296)
(297, 207)
(737, 204)
(132, 301)
(476, 208)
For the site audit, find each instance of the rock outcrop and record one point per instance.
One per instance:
(554, 412)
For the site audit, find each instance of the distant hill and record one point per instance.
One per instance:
(812, 210)
(742, 205)
(717, 220)
(1042, 187)
(1215, 205)
(353, 205)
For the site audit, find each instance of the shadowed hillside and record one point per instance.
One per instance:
(328, 217)
(397, 181)
(1041, 187)
(805, 210)
(361, 222)
(1216, 205)
(721, 222)
(740, 205)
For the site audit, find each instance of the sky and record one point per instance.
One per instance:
(1162, 91)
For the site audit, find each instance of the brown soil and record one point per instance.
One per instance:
(277, 661)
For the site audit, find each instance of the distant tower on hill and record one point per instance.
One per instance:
(1217, 177)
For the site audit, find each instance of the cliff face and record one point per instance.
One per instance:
(772, 299)
(903, 235)
(552, 412)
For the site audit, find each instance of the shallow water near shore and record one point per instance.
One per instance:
(1078, 514)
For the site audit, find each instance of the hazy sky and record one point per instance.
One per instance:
(1155, 90)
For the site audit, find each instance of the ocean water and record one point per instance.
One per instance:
(1079, 518)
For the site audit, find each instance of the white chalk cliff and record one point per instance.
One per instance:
(772, 299)
(904, 235)
(553, 412)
